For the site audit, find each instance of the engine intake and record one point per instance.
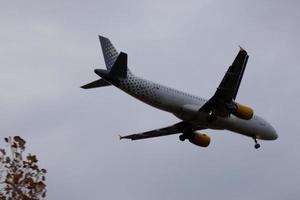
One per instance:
(199, 139)
(242, 111)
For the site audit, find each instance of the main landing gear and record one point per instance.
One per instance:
(256, 146)
(182, 137)
(186, 134)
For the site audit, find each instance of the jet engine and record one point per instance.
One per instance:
(242, 111)
(199, 139)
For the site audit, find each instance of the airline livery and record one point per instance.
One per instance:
(219, 112)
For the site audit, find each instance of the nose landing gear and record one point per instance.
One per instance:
(257, 145)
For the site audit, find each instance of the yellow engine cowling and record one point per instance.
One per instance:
(199, 139)
(243, 112)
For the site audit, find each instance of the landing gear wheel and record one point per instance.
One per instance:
(256, 146)
(182, 137)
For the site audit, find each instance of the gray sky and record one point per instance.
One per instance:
(50, 48)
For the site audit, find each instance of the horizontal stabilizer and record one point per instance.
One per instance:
(95, 84)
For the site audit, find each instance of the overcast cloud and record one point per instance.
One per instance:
(50, 48)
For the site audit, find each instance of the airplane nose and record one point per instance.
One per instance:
(268, 130)
(273, 134)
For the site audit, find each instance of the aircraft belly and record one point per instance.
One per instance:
(244, 127)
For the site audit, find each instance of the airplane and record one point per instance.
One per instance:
(220, 112)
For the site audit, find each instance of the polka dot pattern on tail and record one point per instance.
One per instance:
(110, 54)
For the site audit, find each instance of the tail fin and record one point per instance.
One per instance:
(110, 54)
(116, 64)
(119, 68)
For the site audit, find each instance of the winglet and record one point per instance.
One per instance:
(241, 48)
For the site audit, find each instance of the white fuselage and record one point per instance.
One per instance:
(186, 107)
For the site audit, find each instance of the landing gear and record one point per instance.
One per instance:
(256, 146)
(182, 137)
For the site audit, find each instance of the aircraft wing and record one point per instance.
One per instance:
(230, 84)
(228, 88)
(170, 130)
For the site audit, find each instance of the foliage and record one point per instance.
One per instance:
(20, 177)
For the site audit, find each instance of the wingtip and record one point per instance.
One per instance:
(241, 48)
(120, 137)
(84, 87)
(101, 37)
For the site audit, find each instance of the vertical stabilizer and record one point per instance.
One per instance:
(120, 66)
(110, 54)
